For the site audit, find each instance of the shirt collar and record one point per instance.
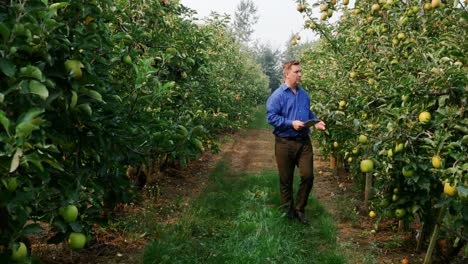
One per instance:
(285, 87)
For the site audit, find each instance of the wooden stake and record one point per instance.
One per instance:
(420, 238)
(367, 191)
(435, 234)
(340, 171)
(401, 226)
(332, 162)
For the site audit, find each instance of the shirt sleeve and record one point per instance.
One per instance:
(274, 115)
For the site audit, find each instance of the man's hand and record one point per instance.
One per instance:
(298, 125)
(320, 126)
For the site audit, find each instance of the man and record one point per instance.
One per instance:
(288, 109)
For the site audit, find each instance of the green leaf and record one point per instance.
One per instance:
(93, 94)
(31, 72)
(32, 229)
(4, 31)
(74, 99)
(7, 67)
(76, 226)
(2, 98)
(463, 191)
(25, 129)
(16, 159)
(31, 114)
(34, 159)
(86, 108)
(443, 99)
(168, 85)
(116, 97)
(5, 122)
(38, 88)
(54, 163)
(56, 6)
(29, 122)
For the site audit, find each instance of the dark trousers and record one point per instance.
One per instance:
(290, 153)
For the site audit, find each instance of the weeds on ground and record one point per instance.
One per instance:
(238, 220)
(355, 256)
(347, 210)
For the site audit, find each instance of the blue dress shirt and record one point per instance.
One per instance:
(283, 107)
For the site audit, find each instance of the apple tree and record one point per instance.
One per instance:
(400, 68)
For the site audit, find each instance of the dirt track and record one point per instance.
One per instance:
(252, 151)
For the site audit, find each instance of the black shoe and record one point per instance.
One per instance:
(291, 214)
(302, 218)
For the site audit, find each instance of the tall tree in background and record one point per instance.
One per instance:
(271, 63)
(244, 20)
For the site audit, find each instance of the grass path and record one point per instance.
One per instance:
(237, 220)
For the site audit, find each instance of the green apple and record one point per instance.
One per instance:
(323, 8)
(11, 184)
(436, 162)
(323, 16)
(367, 165)
(436, 3)
(76, 240)
(73, 68)
(301, 8)
(355, 150)
(363, 139)
(449, 189)
(375, 7)
(390, 153)
(400, 212)
(384, 203)
(69, 213)
(127, 59)
(342, 104)
(20, 252)
(424, 117)
(407, 172)
(405, 98)
(399, 147)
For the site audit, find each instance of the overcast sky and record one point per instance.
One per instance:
(278, 19)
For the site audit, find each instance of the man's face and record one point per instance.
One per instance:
(293, 76)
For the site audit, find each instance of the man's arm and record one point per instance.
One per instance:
(274, 116)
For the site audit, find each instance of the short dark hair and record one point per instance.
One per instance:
(287, 65)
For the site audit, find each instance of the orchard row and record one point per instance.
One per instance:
(389, 78)
(91, 87)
